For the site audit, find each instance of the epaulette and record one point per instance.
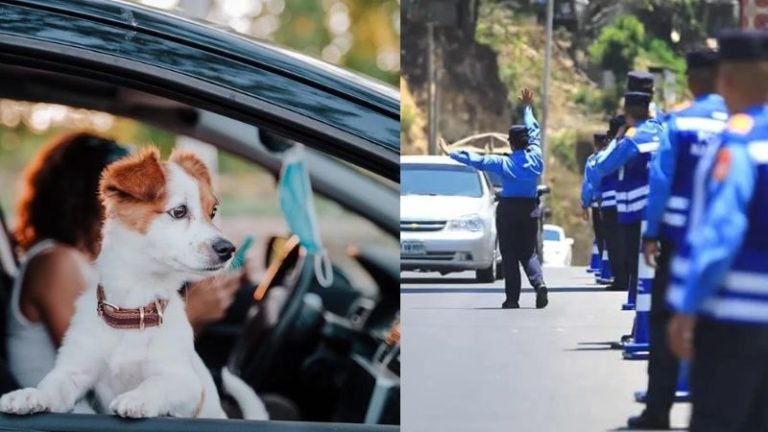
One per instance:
(740, 124)
(630, 132)
(681, 106)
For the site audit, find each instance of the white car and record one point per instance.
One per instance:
(558, 249)
(447, 218)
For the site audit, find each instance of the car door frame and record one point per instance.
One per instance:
(69, 52)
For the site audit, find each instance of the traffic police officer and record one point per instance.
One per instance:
(517, 213)
(608, 214)
(638, 81)
(690, 130)
(722, 305)
(630, 156)
(590, 193)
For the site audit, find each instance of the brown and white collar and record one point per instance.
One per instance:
(150, 315)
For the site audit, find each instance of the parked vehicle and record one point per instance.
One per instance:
(329, 352)
(558, 249)
(447, 218)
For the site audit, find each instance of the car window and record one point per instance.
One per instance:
(443, 180)
(550, 234)
(248, 193)
(496, 179)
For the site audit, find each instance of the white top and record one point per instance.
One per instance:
(31, 351)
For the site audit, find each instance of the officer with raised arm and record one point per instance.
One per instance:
(517, 213)
(721, 318)
(690, 131)
(630, 156)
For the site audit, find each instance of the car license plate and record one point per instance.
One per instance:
(410, 247)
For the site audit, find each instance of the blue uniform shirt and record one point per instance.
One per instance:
(689, 132)
(630, 157)
(728, 265)
(519, 170)
(590, 186)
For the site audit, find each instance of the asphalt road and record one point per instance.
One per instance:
(469, 366)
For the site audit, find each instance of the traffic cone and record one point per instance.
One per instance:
(606, 273)
(594, 263)
(682, 394)
(637, 347)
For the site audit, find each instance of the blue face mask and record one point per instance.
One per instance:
(298, 205)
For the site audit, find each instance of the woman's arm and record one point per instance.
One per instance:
(52, 283)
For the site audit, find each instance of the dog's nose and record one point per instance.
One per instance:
(223, 248)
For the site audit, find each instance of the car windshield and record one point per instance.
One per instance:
(437, 179)
(550, 234)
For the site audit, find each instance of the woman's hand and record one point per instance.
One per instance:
(526, 97)
(209, 299)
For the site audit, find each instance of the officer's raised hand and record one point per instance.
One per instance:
(526, 97)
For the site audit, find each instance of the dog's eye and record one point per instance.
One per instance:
(178, 212)
(213, 212)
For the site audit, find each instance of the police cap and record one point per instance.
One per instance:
(742, 45)
(702, 59)
(640, 82)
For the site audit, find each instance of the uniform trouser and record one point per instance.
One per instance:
(609, 222)
(729, 377)
(517, 223)
(629, 246)
(597, 226)
(663, 366)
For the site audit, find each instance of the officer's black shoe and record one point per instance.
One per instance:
(541, 297)
(646, 422)
(510, 305)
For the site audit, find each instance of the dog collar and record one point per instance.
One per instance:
(150, 315)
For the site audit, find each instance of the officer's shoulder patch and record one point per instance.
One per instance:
(630, 132)
(681, 106)
(741, 124)
(722, 164)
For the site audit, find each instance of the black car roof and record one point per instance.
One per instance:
(207, 36)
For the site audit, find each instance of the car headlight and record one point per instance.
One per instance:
(466, 223)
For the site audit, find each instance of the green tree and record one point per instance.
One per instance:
(618, 45)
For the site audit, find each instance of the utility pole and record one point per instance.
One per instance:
(547, 66)
(431, 108)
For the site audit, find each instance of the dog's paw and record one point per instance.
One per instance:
(134, 404)
(24, 401)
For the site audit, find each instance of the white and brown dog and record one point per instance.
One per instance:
(130, 339)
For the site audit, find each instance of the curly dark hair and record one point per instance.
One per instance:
(60, 199)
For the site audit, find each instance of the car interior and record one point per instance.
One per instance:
(312, 353)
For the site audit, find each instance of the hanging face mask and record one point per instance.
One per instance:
(298, 206)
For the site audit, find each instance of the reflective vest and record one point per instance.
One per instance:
(632, 189)
(691, 131)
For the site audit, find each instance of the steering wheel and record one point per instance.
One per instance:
(261, 338)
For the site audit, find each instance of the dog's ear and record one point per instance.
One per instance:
(138, 177)
(191, 164)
